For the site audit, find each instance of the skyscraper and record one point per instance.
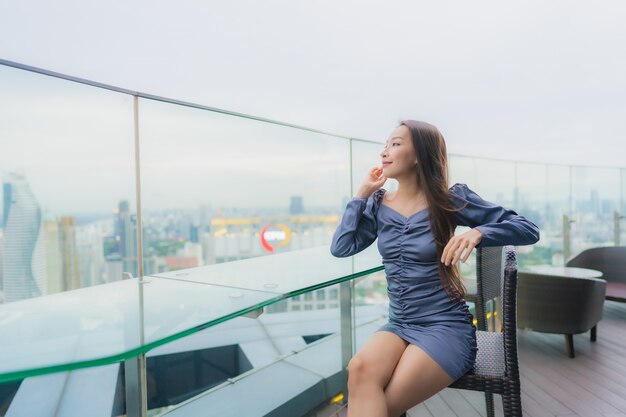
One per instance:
(69, 253)
(23, 253)
(54, 277)
(296, 206)
(126, 229)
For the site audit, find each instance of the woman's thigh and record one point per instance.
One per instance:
(417, 377)
(377, 359)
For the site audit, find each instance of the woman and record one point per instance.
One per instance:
(430, 340)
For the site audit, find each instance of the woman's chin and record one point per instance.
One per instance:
(387, 172)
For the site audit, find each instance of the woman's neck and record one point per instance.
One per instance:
(408, 190)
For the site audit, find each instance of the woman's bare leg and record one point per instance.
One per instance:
(369, 372)
(416, 378)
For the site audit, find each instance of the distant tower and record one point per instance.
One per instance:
(69, 253)
(125, 229)
(23, 261)
(296, 205)
(54, 280)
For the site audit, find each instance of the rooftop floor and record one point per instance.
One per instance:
(593, 384)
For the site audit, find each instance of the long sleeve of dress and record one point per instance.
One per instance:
(358, 227)
(498, 225)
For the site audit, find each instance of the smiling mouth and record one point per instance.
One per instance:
(386, 163)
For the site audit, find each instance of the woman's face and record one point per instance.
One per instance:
(398, 157)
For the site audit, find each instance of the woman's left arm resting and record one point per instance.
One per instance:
(492, 225)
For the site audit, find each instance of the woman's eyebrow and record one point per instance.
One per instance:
(395, 137)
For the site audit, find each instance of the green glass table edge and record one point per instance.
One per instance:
(108, 360)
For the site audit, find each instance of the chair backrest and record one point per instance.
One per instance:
(497, 269)
(509, 312)
(489, 271)
(611, 260)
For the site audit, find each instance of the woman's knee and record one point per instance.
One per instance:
(362, 370)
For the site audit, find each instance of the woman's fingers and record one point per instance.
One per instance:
(456, 247)
(467, 253)
(445, 257)
(459, 251)
(376, 176)
(444, 254)
(375, 173)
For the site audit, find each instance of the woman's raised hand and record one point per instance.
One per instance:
(457, 245)
(373, 181)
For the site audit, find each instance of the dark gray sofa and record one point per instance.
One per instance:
(562, 305)
(611, 260)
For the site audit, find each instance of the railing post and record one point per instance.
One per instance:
(135, 379)
(135, 368)
(346, 290)
(135, 382)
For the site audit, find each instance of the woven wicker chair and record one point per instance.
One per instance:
(486, 287)
(490, 269)
(496, 370)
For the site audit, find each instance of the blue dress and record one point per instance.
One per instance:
(420, 310)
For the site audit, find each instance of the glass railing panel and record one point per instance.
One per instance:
(82, 392)
(365, 156)
(217, 187)
(288, 358)
(596, 196)
(67, 166)
(462, 169)
(371, 306)
(558, 204)
(538, 201)
(495, 181)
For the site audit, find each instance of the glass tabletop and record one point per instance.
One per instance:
(564, 271)
(112, 322)
(299, 271)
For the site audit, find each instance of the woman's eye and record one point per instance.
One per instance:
(395, 144)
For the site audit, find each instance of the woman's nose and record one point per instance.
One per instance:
(383, 153)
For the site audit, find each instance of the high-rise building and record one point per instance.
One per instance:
(23, 265)
(54, 276)
(204, 219)
(90, 242)
(69, 252)
(113, 268)
(126, 231)
(296, 206)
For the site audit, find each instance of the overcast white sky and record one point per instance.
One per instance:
(535, 80)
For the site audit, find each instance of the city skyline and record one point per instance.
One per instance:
(59, 254)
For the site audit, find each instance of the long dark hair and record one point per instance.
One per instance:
(432, 178)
